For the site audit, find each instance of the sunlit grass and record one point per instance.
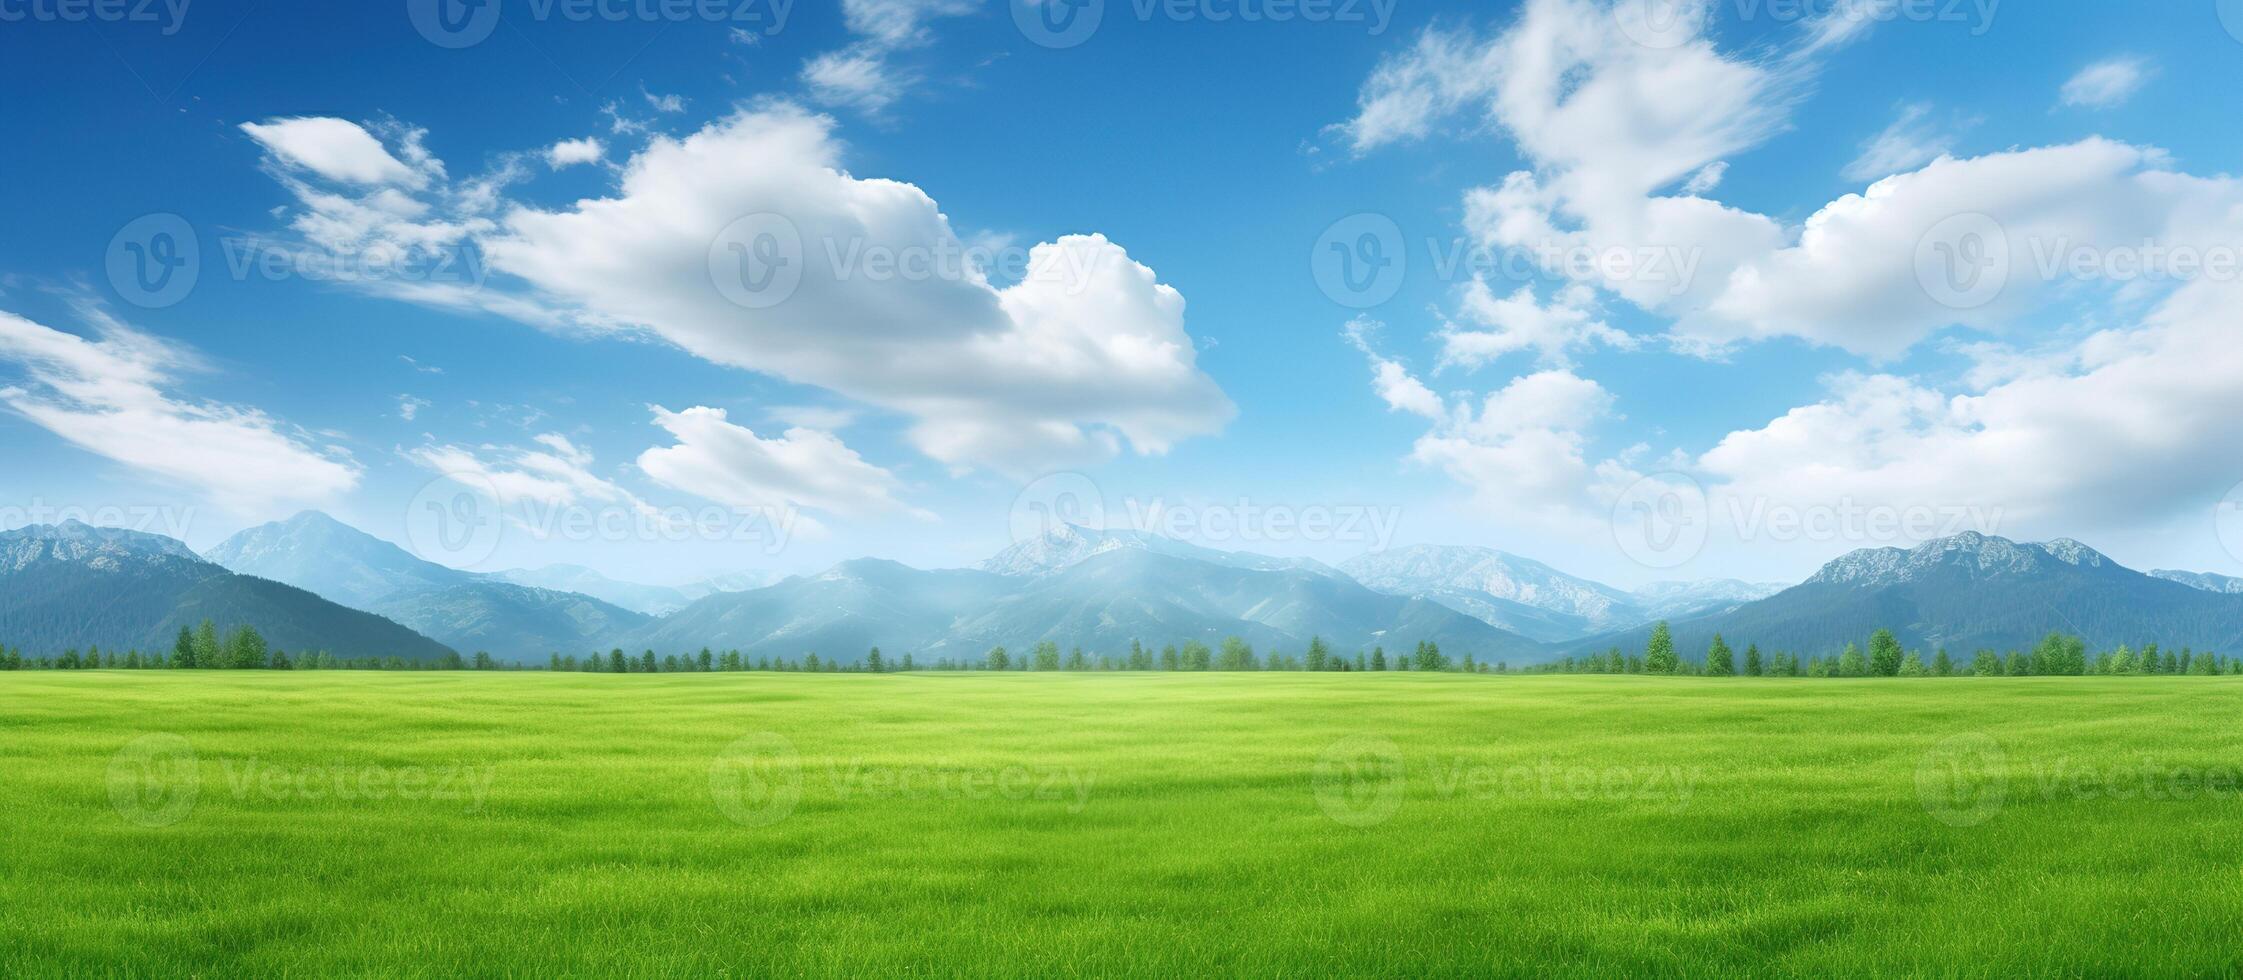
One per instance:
(1157, 824)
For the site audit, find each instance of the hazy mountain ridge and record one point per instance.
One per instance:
(1969, 592)
(1100, 590)
(651, 600)
(469, 611)
(1534, 599)
(514, 622)
(1068, 545)
(2207, 581)
(320, 554)
(72, 586)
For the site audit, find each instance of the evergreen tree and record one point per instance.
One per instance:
(1752, 660)
(616, 663)
(996, 659)
(246, 649)
(1378, 658)
(207, 652)
(1197, 656)
(1237, 655)
(1169, 660)
(1941, 666)
(872, 662)
(1720, 662)
(1913, 666)
(1851, 663)
(1658, 657)
(183, 649)
(1047, 655)
(1429, 657)
(1884, 654)
(1318, 653)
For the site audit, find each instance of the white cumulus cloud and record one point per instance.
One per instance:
(110, 396)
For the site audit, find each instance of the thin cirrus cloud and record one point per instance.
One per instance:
(530, 484)
(2066, 436)
(1087, 355)
(113, 396)
(863, 75)
(2106, 84)
(1911, 141)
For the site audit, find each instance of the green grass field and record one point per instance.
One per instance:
(1153, 824)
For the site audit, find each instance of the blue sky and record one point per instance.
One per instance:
(1790, 382)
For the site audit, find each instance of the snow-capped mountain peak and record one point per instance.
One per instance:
(1068, 545)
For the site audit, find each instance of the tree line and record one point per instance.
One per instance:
(2056, 655)
(244, 648)
(1232, 654)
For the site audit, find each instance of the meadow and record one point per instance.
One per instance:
(525, 823)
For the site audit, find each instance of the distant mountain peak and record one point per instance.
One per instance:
(1984, 554)
(75, 540)
(1433, 568)
(1067, 545)
(2207, 581)
(316, 552)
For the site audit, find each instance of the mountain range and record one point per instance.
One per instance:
(1532, 599)
(72, 586)
(1971, 592)
(313, 582)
